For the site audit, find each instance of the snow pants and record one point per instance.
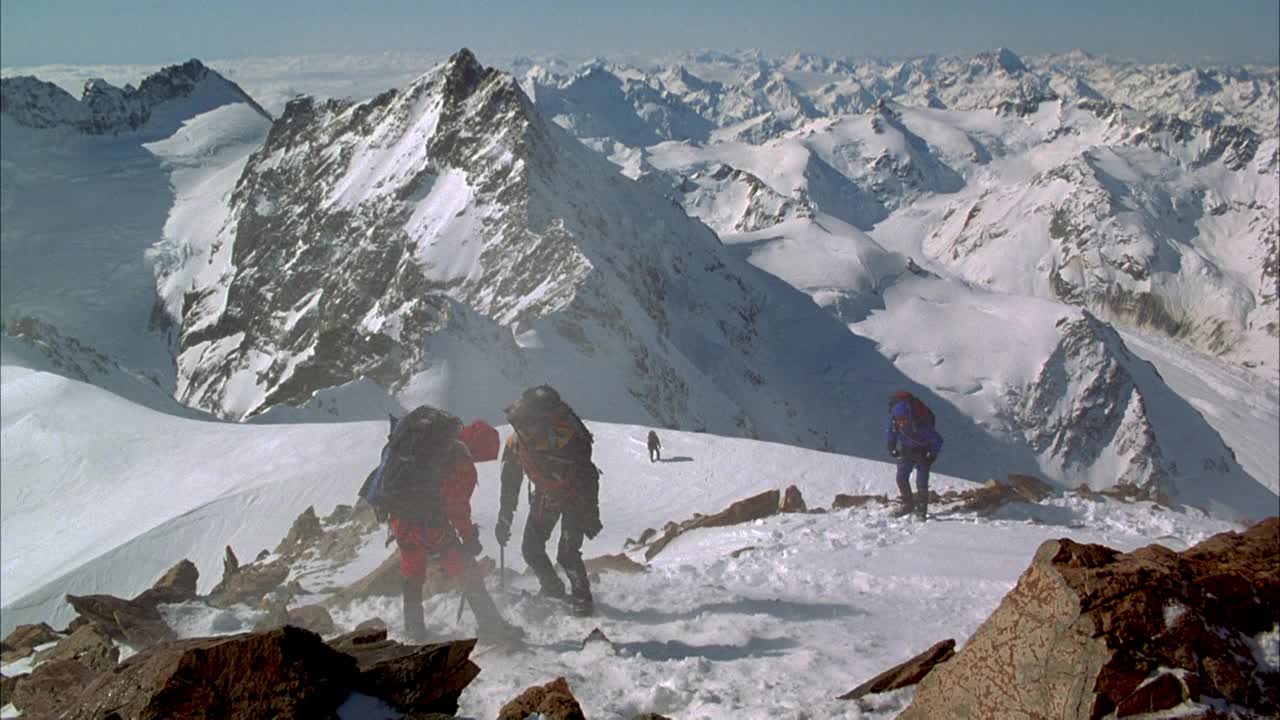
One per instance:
(545, 510)
(417, 542)
(921, 466)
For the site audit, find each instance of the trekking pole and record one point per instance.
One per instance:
(462, 602)
(502, 568)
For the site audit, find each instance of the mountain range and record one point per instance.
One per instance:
(729, 244)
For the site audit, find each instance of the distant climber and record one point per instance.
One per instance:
(425, 483)
(553, 447)
(655, 447)
(913, 440)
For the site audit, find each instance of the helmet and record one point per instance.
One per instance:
(531, 401)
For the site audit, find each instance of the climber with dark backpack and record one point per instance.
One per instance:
(915, 442)
(551, 445)
(423, 486)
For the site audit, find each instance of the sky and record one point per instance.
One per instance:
(40, 32)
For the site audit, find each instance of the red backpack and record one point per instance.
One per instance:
(920, 413)
(482, 440)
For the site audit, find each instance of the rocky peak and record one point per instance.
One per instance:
(463, 73)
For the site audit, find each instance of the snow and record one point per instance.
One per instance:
(819, 604)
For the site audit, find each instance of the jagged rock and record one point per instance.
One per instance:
(842, 501)
(742, 551)
(596, 636)
(553, 701)
(136, 625)
(1088, 630)
(288, 672)
(304, 532)
(230, 565)
(263, 554)
(76, 623)
(645, 537)
(52, 688)
(89, 645)
(906, 673)
(339, 515)
(615, 563)
(178, 584)
(248, 583)
(419, 679)
(792, 501)
(227, 622)
(23, 639)
(986, 499)
(752, 508)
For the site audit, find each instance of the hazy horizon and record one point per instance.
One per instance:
(146, 32)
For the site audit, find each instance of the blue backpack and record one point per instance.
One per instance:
(420, 451)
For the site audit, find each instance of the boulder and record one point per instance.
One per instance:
(178, 584)
(24, 639)
(88, 644)
(1029, 488)
(792, 501)
(312, 617)
(842, 501)
(1089, 631)
(383, 580)
(52, 689)
(597, 636)
(288, 672)
(553, 701)
(906, 673)
(416, 679)
(131, 623)
(753, 508)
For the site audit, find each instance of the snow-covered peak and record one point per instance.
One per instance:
(106, 109)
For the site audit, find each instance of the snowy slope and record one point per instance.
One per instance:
(87, 199)
(820, 604)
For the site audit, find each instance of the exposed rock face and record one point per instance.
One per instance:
(288, 672)
(1089, 631)
(20, 642)
(397, 678)
(614, 563)
(305, 530)
(129, 622)
(89, 645)
(52, 688)
(842, 501)
(553, 701)
(247, 583)
(906, 673)
(792, 501)
(178, 584)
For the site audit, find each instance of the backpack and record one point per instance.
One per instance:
(553, 432)
(920, 413)
(421, 450)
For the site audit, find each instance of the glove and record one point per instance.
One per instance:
(929, 457)
(591, 526)
(471, 545)
(502, 531)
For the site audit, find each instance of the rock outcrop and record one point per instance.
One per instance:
(553, 701)
(1089, 631)
(905, 673)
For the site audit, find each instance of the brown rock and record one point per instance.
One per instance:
(89, 644)
(314, 618)
(418, 679)
(1086, 625)
(7, 684)
(753, 508)
(553, 701)
(52, 688)
(615, 563)
(384, 580)
(842, 501)
(285, 673)
(178, 584)
(136, 625)
(906, 673)
(304, 532)
(24, 639)
(596, 635)
(249, 583)
(792, 501)
(1029, 488)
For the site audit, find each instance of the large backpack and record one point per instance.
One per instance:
(421, 451)
(543, 419)
(920, 413)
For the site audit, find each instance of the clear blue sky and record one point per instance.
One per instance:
(34, 32)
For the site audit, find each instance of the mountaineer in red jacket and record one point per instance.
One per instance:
(445, 534)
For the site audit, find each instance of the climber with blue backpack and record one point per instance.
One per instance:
(423, 487)
(915, 442)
